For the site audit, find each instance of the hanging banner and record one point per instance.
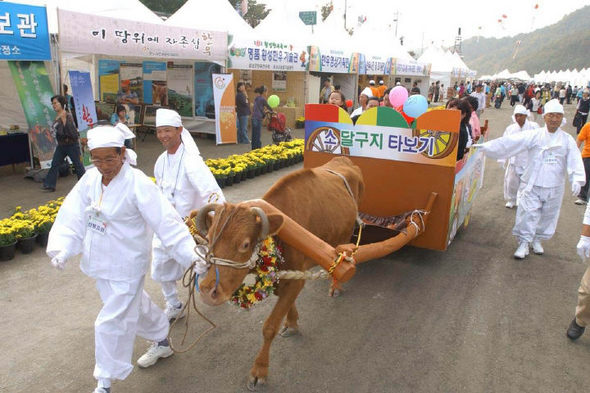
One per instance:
(376, 65)
(23, 32)
(34, 90)
(247, 54)
(333, 61)
(93, 34)
(85, 108)
(180, 88)
(154, 83)
(225, 108)
(409, 67)
(204, 104)
(131, 77)
(108, 79)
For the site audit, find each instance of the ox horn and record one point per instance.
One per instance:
(263, 220)
(201, 220)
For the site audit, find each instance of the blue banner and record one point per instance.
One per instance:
(83, 99)
(23, 32)
(204, 103)
(154, 82)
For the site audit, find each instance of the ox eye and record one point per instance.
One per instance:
(245, 245)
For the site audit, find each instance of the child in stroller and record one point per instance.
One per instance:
(277, 124)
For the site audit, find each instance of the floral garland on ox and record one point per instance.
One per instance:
(267, 276)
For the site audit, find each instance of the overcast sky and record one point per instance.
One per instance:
(422, 22)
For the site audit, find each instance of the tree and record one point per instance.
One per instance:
(167, 7)
(327, 10)
(256, 12)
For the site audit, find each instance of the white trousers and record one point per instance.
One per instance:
(127, 311)
(537, 213)
(166, 271)
(512, 182)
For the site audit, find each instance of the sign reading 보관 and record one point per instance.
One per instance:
(23, 32)
(84, 33)
(245, 54)
(384, 134)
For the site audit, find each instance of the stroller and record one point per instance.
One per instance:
(276, 124)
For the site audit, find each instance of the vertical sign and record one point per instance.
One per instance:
(85, 108)
(225, 108)
(154, 83)
(180, 88)
(108, 77)
(34, 90)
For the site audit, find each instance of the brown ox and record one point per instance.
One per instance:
(318, 200)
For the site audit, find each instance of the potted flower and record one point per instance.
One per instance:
(7, 241)
(25, 235)
(43, 226)
(300, 122)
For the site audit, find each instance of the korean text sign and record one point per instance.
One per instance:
(84, 33)
(23, 32)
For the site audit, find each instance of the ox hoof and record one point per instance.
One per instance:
(289, 331)
(255, 383)
(334, 292)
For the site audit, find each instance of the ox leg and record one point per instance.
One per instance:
(290, 328)
(289, 291)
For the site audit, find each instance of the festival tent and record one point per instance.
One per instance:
(521, 75)
(441, 65)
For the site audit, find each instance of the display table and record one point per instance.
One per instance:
(291, 113)
(14, 149)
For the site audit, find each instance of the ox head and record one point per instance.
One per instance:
(233, 234)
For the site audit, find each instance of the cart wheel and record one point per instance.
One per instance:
(326, 140)
(444, 142)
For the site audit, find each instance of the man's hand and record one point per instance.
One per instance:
(576, 188)
(59, 261)
(583, 247)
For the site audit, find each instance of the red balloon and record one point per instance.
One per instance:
(349, 103)
(504, 16)
(536, 6)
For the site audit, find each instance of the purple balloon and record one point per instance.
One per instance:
(398, 95)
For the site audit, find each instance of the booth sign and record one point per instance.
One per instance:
(23, 32)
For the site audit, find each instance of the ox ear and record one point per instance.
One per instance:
(275, 223)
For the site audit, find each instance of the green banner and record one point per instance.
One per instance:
(35, 91)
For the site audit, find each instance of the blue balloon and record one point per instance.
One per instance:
(415, 105)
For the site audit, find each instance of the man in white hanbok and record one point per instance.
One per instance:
(187, 182)
(109, 217)
(582, 317)
(516, 164)
(552, 156)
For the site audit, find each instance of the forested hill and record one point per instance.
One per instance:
(563, 45)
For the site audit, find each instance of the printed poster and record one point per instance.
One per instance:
(85, 108)
(180, 88)
(225, 108)
(279, 81)
(108, 78)
(35, 91)
(131, 89)
(204, 103)
(23, 32)
(154, 83)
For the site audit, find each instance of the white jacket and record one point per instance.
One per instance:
(519, 160)
(551, 157)
(189, 184)
(132, 208)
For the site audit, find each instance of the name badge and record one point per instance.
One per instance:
(550, 159)
(97, 225)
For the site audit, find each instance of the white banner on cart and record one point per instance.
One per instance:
(85, 33)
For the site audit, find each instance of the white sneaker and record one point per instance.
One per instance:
(154, 353)
(101, 390)
(173, 312)
(538, 248)
(509, 204)
(580, 202)
(522, 250)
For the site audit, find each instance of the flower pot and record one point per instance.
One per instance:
(243, 175)
(237, 178)
(7, 252)
(258, 171)
(276, 166)
(220, 182)
(229, 181)
(27, 245)
(251, 173)
(42, 239)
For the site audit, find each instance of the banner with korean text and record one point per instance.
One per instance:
(85, 108)
(35, 91)
(23, 32)
(409, 67)
(333, 61)
(273, 55)
(224, 94)
(85, 33)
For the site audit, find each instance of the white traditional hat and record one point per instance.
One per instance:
(109, 136)
(371, 82)
(553, 106)
(381, 82)
(521, 110)
(368, 92)
(168, 117)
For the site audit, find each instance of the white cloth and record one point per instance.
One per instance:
(583, 247)
(367, 92)
(481, 100)
(357, 112)
(553, 106)
(520, 110)
(127, 311)
(537, 213)
(109, 136)
(512, 182)
(186, 181)
(130, 210)
(169, 117)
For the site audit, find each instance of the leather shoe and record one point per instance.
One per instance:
(574, 331)
(49, 189)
